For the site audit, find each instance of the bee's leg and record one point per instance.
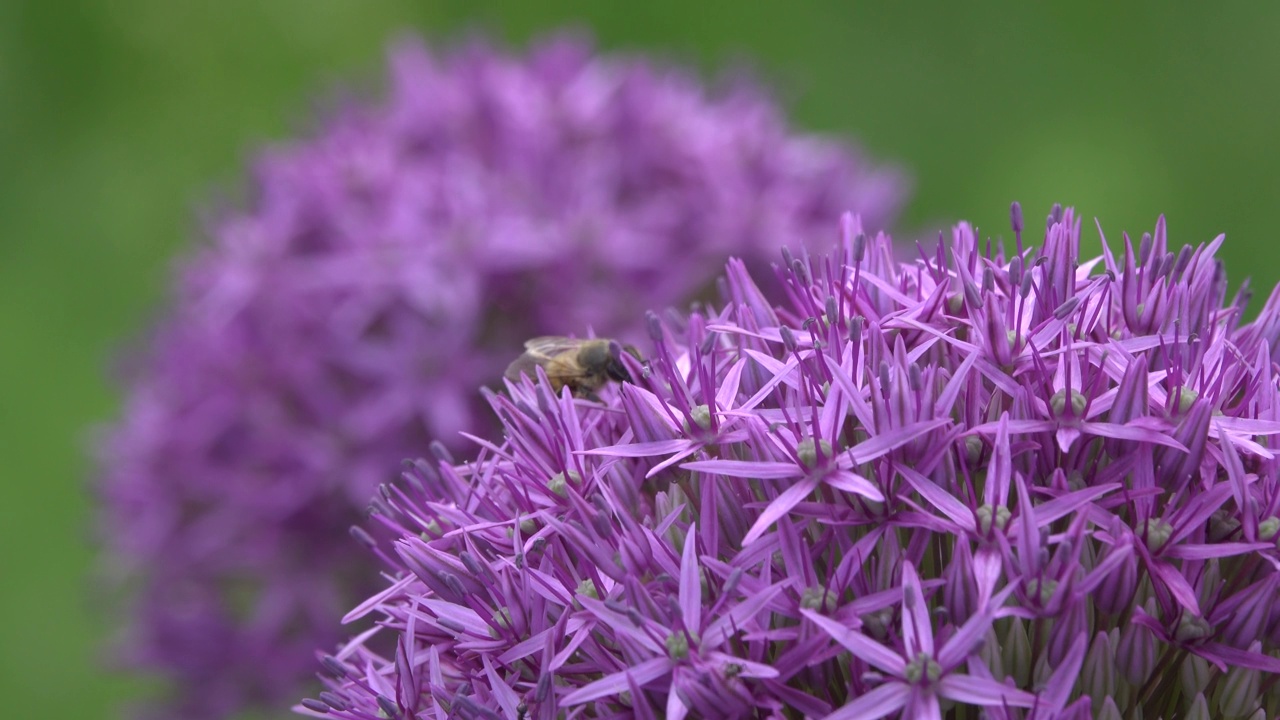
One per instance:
(590, 395)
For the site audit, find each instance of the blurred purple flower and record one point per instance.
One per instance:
(380, 272)
(998, 483)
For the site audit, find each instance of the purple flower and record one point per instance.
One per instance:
(983, 483)
(922, 674)
(382, 270)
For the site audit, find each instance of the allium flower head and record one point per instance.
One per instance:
(379, 273)
(999, 482)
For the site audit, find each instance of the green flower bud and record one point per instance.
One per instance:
(1222, 524)
(1136, 654)
(1268, 528)
(807, 451)
(821, 599)
(1059, 402)
(1157, 532)
(1194, 675)
(1098, 676)
(973, 446)
(1237, 696)
(987, 516)
(1109, 711)
(677, 646)
(559, 485)
(1186, 396)
(1199, 709)
(989, 652)
(1042, 590)
(1016, 652)
(701, 416)
(1191, 628)
(502, 619)
(923, 667)
(877, 624)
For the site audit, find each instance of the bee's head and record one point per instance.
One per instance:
(615, 368)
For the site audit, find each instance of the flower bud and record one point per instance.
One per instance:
(1237, 695)
(1098, 675)
(1114, 595)
(1108, 711)
(1016, 652)
(1195, 675)
(1199, 709)
(1071, 624)
(1136, 653)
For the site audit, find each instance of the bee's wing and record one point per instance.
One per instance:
(526, 364)
(539, 352)
(549, 346)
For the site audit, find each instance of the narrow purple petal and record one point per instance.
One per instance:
(956, 511)
(1000, 470)
(1131, 432)
(1071, 502)
(853, 483)
(924, 705)
(621, 624)
(917, 625)
(860, 645)
(984, 692)
(676, 709)
(1187, 551)
(1235, 657)
(887, 442)
(884, 700)
(641, 674)
(761, 470)
(691, 582)
(644, 449)
(780, 506)
(719, 630)
(507, 698)
(748, 668)
(1063, 680)
(1174, 581)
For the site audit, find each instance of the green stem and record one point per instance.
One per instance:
(1160, 678)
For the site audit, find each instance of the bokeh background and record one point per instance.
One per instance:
(119, 120)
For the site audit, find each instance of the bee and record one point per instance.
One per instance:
(583, 366)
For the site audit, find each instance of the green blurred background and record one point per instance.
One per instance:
(118, 119)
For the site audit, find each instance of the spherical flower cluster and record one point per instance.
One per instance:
(991, 482)
(378, 274)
